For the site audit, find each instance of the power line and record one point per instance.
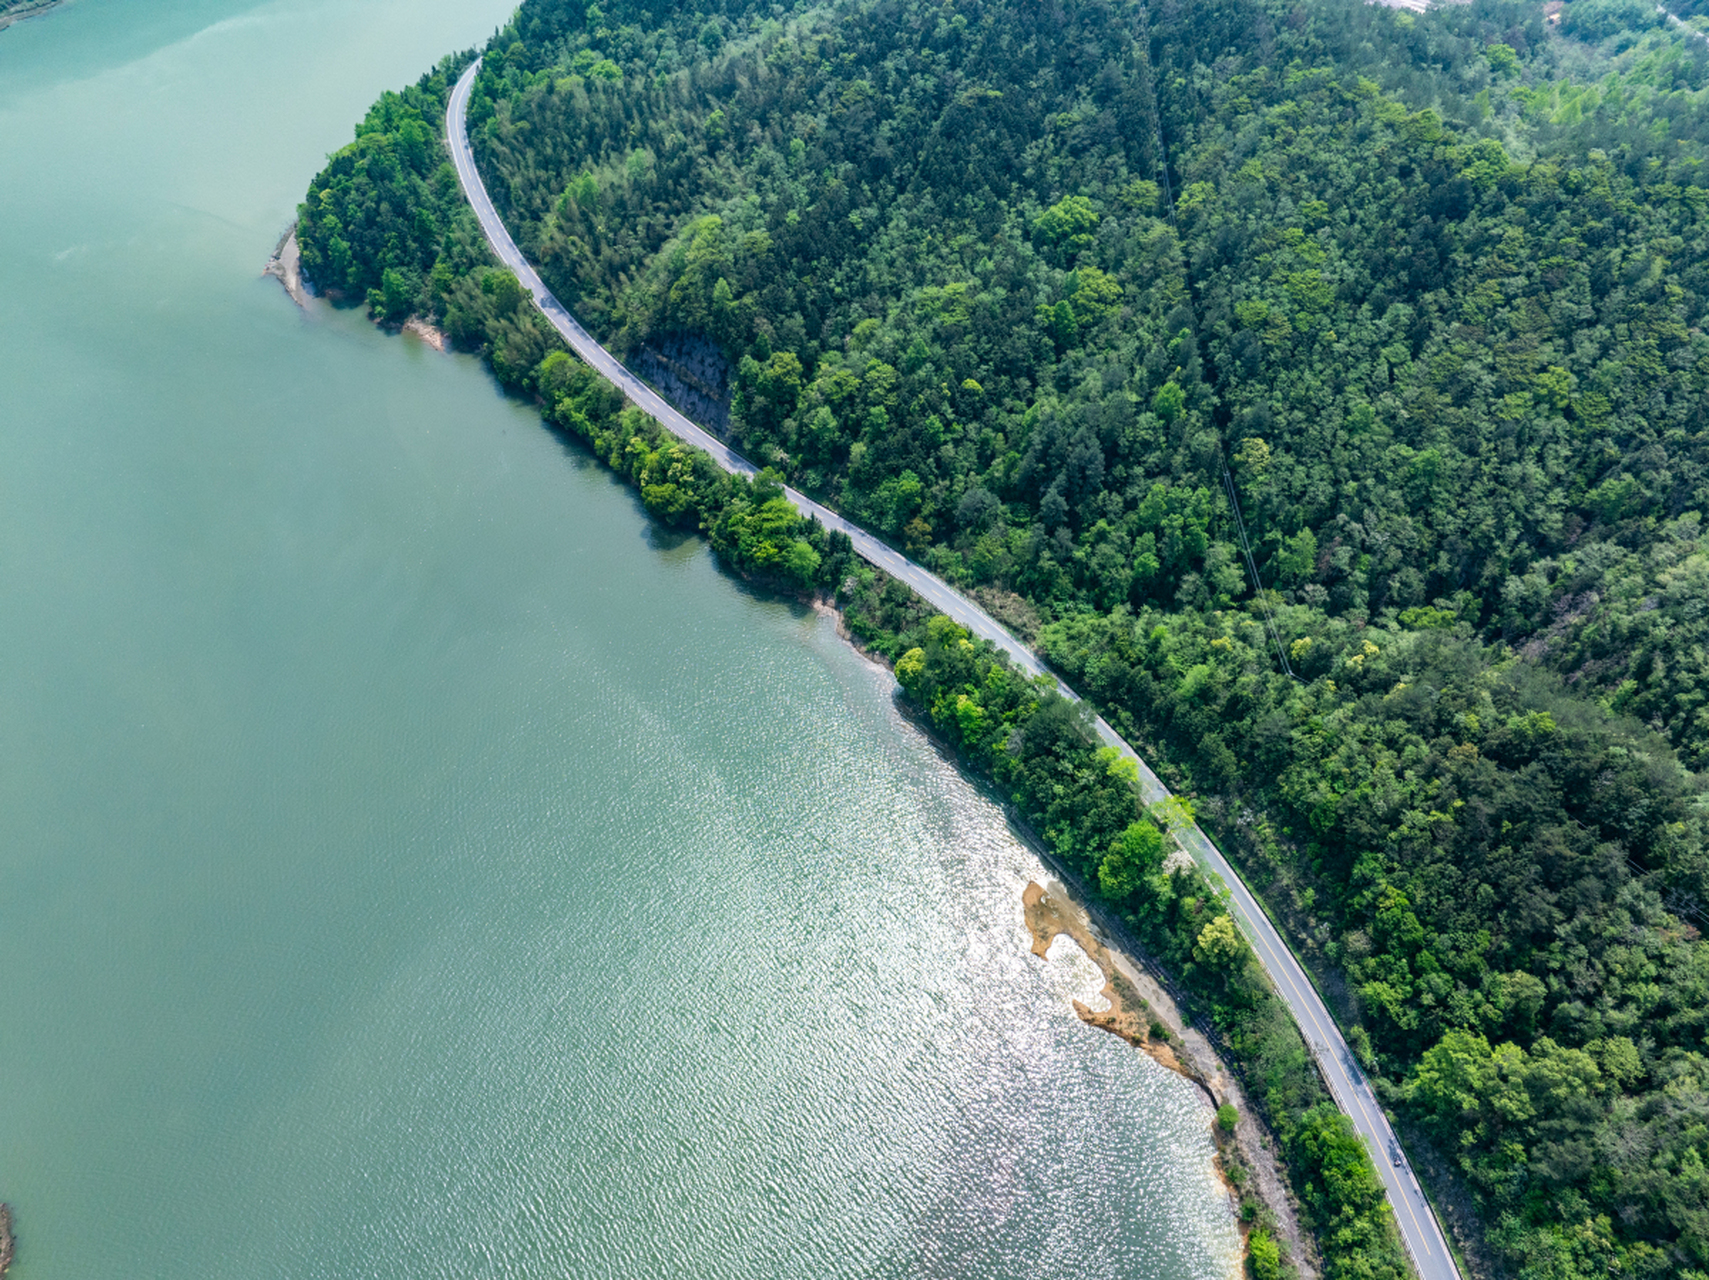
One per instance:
(1227, 477)
(1252, 567)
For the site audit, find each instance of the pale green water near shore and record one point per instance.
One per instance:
(412, 865)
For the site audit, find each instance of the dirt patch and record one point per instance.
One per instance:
(1013, 611)
(433, 337)
(1130, 1015)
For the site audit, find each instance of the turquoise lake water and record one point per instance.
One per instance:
(413, 864)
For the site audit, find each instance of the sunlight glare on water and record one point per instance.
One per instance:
(414, 863)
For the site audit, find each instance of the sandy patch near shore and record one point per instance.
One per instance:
(285, 266)
(1130, 1014)
(1140, 1009)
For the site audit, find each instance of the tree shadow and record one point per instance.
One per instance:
(659, 536)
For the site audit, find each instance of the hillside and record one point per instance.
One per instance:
(1034, 289)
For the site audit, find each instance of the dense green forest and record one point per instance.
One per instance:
(1035, 291)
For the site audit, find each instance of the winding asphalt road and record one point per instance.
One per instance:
(1417, 1224)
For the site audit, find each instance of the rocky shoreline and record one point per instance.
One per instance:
(6, 1245)
(431, 335)
(285, 266)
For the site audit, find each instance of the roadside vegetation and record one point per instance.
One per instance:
(1032, 293)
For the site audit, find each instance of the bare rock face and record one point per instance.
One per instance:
(689, 371)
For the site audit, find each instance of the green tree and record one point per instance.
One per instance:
(1219, 942)
(1264, 1255)
(1069, 225)
(1134, 855)
(504, 289)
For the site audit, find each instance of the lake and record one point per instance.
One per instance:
(412, 862)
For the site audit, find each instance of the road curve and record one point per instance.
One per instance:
(1418, 1226)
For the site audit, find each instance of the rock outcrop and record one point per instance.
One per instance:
(689, 371)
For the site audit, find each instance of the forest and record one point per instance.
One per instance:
(1323, 390)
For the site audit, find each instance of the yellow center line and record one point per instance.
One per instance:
(1287, 975)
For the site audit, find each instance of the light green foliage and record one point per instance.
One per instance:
(1502, 59)
(1141, 195)
(584, 190)
(1253, 458)
(1134, 855)
(801, 562)
(1195, 195)
(911, 669)
(1168, 402)
(1119, 766)
(1068, 225)
(1219, 942)
(1296, 562)
(1264, 1255)
(1093, 294)
(1174, 813)
(1227, 1117)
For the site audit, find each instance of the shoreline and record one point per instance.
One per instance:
(1138, 999)
(1250, 1153)
(285, 266)
(1183, 1048)
(1280, 982)
(1269, 950)
(432, 336)
(6, 20)
(1140, 1008)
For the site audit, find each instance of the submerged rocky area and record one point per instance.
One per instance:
(17, 10)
